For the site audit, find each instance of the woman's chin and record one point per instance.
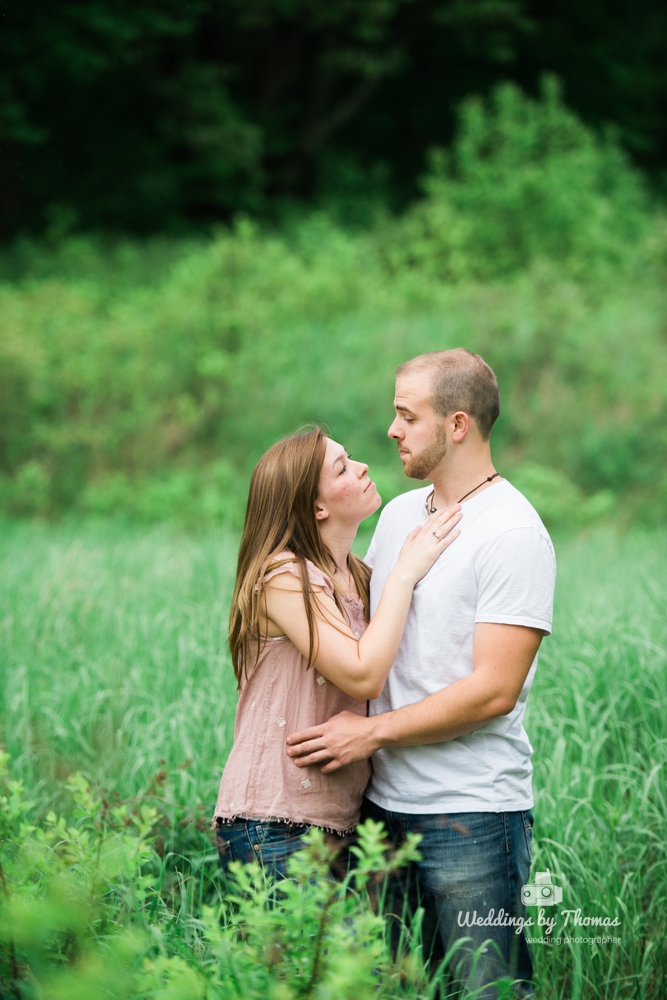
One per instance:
(376, 505)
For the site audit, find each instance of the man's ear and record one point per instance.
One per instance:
(321, 513)
(460, 425)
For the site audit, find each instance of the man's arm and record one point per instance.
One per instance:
(502, 657)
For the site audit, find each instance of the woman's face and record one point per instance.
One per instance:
(346, 494)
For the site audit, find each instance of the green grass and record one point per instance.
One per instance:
(112, 645)
(597, 720)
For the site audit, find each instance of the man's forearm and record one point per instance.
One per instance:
(460, 708)
(503, 655)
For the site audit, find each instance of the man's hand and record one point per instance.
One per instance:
(344, 739)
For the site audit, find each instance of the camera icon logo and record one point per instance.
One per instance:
(542, 892)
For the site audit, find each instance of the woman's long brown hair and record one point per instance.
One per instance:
(281, 515)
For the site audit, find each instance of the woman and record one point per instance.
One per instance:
(301, 646)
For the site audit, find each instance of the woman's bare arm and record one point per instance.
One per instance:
(360, 667)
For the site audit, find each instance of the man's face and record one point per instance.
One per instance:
(419, 432)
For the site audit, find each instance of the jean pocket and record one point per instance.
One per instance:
(279, 833)
(528, 824)
(276, 842)
(233, 843)
(223, 846)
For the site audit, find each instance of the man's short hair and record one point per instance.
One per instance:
(460, 380)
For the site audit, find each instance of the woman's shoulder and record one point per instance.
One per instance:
(285, 562)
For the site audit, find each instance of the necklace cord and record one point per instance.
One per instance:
(433, 509)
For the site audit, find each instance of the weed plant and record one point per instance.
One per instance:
(117, 713)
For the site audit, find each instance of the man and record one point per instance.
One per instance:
(451, 759)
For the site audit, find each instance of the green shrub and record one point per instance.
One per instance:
(526, 180)
(89, 909)
(560, 502)
(151, 389)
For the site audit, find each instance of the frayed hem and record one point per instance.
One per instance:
(220, 821)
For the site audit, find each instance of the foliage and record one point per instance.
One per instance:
(152, 115)
(65, 886)
(524, 181)
(88, 909)
(309, 937)
(112, 645)
(145, 381)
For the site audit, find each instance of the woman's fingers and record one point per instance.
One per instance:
(450, 523)
(449, 538)
(446, 514)
(443, 522)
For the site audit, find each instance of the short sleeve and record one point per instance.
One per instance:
(516, 576)
(287, 564)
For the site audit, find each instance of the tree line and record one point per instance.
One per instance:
(155, 115)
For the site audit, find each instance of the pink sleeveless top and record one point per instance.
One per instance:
(280, 697)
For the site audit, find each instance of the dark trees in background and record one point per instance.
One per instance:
(148, 115)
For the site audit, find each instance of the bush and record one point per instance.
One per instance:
(89, 909)
(526, 180)
(154, 396)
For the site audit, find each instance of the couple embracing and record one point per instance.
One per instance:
(395, 688)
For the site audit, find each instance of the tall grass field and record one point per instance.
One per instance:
(117, 700)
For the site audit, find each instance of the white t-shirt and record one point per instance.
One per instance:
(501, 568)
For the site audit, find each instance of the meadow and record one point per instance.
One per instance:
(140, 381)
(115, 668)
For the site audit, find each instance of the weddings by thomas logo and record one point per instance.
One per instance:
(543, 893)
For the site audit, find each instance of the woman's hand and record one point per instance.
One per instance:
(423, 545)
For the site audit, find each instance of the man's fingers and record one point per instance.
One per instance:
(334, 765)
(316, 757)
(308, 746)
(294, 740)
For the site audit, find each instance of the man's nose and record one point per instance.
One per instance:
(394, 431)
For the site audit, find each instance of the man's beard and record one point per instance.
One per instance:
(422, 465)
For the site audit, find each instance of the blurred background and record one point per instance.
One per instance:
(223, 219)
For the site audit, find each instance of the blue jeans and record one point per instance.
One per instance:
(270, 843)
(472, 864)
